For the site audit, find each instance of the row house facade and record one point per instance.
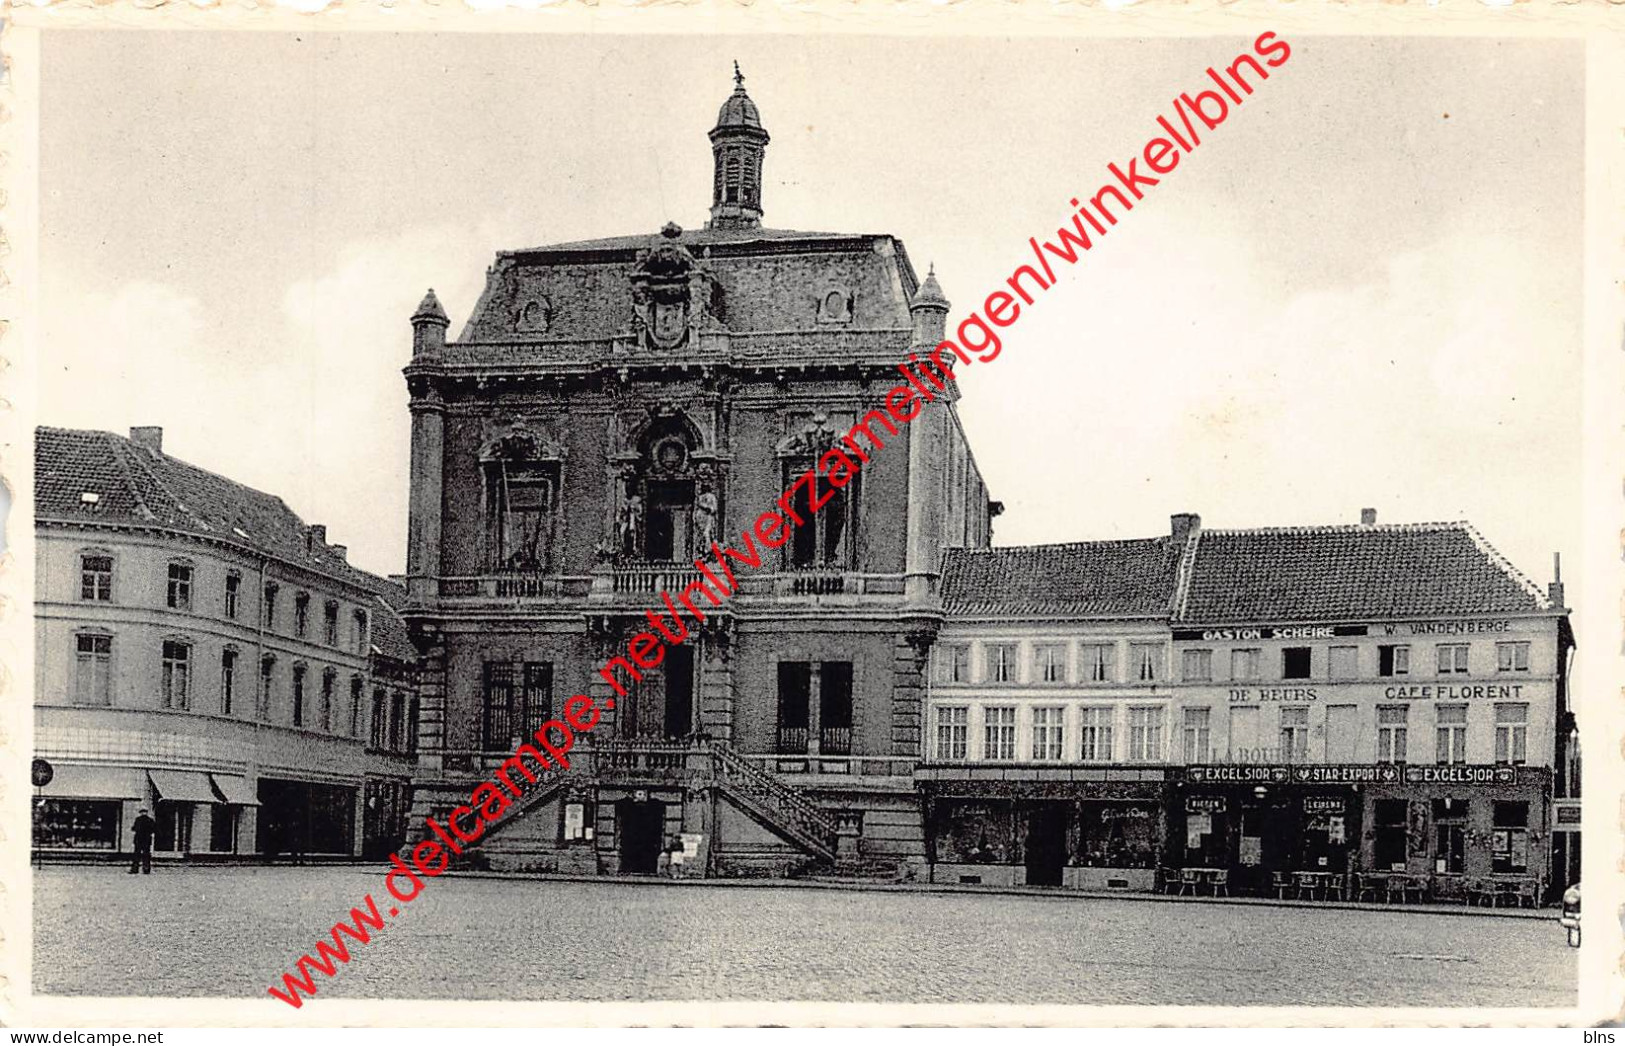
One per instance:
(203, 653)
(1385, 699)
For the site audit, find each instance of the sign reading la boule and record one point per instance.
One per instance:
(41, 772)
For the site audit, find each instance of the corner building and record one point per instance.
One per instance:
(203, 652)
(1324, 710)
(612, 408)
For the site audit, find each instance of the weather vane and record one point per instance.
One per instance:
(739, 77)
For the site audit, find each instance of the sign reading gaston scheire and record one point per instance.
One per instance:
(1289, 632)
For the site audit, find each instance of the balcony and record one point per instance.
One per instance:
(642, 584)
(513, 587)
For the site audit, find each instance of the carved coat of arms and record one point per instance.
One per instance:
(671, 292)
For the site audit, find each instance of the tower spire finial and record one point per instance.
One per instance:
(737, 143)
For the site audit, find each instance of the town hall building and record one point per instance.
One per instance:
(613, 406)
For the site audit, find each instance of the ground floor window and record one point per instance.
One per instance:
(174, 827)
(975, 833)
(81, 824)
(1389, 835)
(300, 817)
(1509, 844)
(223, 828)
(1118, 835)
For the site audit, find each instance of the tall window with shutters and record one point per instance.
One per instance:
(1451, 733)
(177, 676)
(1511, 732)
(93, 669)
(1198, 734)
(1391, 733)
(497, 721)
(228, 680)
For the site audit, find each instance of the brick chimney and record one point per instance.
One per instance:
(341, 551)
(148, 437)
(1554, 590)
(315, 536)
(1183, 524)
(1368, 517)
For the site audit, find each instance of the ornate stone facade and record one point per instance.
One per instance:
(610, 409)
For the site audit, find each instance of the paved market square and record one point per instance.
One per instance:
(232, 932)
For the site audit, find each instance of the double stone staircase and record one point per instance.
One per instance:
(697, 763)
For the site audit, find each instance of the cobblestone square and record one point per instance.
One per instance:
(233, 931)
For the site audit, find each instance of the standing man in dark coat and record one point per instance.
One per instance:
(145, 828)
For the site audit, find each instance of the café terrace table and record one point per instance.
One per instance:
(1215, 879)
(1318, 885)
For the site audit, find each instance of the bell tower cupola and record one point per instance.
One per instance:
(737, 143)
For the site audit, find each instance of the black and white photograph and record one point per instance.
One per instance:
(998, 524)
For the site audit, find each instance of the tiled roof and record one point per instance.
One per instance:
(1350, 572)
(132, 485)
(1083, 579)
(389, 633)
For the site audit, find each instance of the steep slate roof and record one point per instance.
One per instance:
(137, 487)
(1351, 572)
(770, 280)
(1080, 579)
(389, 633)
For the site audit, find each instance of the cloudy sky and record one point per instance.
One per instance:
(1362, 290)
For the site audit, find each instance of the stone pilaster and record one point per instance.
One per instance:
(431, 683)
(423, 513)
(716, 682)
(910, 651)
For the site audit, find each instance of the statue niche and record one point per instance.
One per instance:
(667, 503)
(520, 469)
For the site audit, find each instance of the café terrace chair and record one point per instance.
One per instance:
(1282, 881)
(1221, 881)
(1189, 880)
(1370, 886)
(1337, 883)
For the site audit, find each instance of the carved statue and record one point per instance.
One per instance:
(631, 527)
(705, 520)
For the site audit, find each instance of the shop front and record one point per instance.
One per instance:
(1046, 827)
(1476, 834)
(1268, 830)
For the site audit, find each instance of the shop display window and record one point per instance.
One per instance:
(77, 824)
